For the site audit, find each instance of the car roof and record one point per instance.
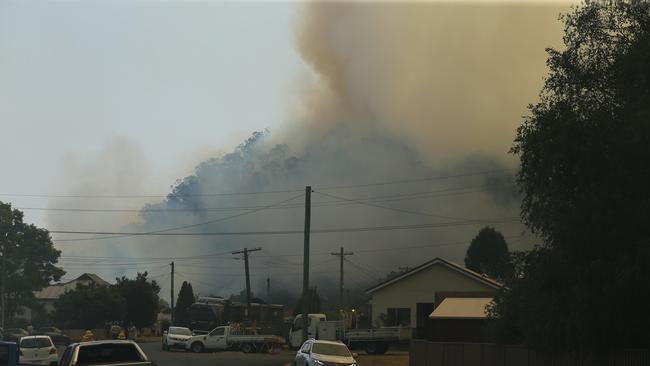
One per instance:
(116, 341)
(179, 328)
(327, 342)
(35, 336)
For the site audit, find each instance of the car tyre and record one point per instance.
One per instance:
(371, 348)
(247, 348)
(197, 347)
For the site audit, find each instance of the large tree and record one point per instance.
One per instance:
(89, 307)
(182, 309)
(142, 301)
(313, 302)
(28, 259)
(585, 178)
(488, 253)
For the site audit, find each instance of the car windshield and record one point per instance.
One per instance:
(108, 353)
(331, 349)
(180, 331)
(35, 343)
(16, 331)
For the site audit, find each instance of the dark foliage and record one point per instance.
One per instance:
(89, 307)
(141, 296)
(585, 179)
(29, 259)
(488, 253)
(182, 308)
(313, 304)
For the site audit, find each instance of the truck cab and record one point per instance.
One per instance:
(295, 334)
(217, 339)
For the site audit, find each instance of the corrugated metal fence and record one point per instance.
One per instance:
(425, 353)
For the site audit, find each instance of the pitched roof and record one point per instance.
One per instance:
(55, 291)
(462, 308)
(451, 265)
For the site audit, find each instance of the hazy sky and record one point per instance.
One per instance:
(179, 80)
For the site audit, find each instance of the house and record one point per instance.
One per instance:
(409, 298)
(48, 295)
(460, 319)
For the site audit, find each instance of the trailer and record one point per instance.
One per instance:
(373, 341)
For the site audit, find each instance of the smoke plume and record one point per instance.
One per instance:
(399, 91)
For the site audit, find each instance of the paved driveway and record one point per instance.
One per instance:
(180, 358)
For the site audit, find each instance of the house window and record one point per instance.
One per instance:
(398, 317)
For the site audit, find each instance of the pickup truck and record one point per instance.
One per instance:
(374, 340)
(225, 338)
(100, 353)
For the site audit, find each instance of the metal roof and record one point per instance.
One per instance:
(451, 265)
(55, 291)
(462, 308)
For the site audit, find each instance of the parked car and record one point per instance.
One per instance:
(14, 334)
(38, 350)
(55, 333)
(175, 337)
(8, 353)
(102, 353)
(316, 353)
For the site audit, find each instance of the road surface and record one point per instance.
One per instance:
(180, 358)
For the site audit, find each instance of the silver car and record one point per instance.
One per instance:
(324, 353)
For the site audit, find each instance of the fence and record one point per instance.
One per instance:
(425, 353)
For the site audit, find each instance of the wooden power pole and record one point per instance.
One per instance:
(342, 254)
(172, 292)
(305, 270)
(248, 278)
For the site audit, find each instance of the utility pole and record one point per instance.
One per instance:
(172, 292)
(248, 278)
(268, 289)
(342, 256)
(305, 270)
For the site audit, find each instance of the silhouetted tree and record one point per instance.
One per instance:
(182, 309)
(488, 253)
(142, 300)
(314, 302)
(89, 307)
(29, 259)
(585, 179)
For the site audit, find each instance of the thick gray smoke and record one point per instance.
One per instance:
(400, 92)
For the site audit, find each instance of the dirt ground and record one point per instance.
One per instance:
(397, 358)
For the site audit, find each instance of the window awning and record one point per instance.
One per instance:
(462, 308)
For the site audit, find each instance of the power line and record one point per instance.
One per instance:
(339, 202)
(331, 187)
(288, 232)
(166, 231)
(390, 208)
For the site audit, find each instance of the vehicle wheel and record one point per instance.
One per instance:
(382, 348)
(247, 348)
(197, 347)
(371, 348)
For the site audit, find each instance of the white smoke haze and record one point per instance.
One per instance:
(400, 91)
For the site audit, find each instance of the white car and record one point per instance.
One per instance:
(38, 350)
(324, 353)
(175, 337)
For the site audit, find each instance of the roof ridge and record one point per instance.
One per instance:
(429, 263)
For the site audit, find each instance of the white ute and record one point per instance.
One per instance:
(224, 338)
(374, 340)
